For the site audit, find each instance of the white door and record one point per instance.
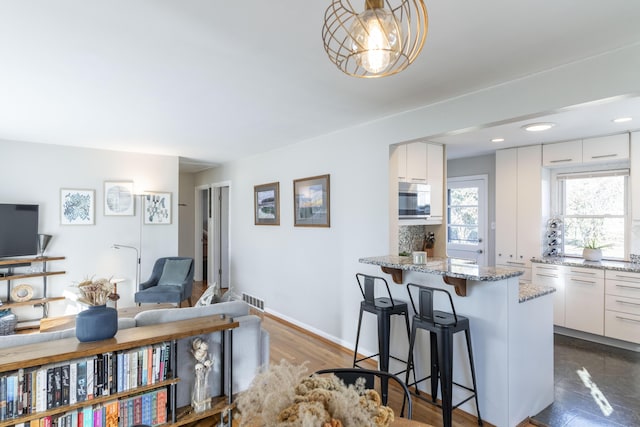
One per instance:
(467, 218)
(220, 230)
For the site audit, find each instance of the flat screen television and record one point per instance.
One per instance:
(18, 230)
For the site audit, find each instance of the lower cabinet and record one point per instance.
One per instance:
(622, 306)
(598, 301)
(584, 299)
(552, 275)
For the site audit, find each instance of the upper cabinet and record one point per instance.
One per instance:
(606, 148)
(423, 163)
(592, 150)
(412, 162)
(635, 184)
(562, 153)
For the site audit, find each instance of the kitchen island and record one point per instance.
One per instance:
(511, 332)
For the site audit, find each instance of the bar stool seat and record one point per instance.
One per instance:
(383, 307)
(441, 326)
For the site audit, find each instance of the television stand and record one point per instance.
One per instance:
(12, 275)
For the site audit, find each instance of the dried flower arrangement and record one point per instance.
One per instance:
(96, 292)
(285, 395)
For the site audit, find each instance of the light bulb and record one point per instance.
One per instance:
(375, 39)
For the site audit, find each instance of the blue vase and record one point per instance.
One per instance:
(97, 323)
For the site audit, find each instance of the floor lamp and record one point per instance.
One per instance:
(119, 246)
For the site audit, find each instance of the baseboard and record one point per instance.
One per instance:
(625, 345)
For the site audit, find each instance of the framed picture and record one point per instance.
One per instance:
(266, 200)
(157, 208)
(118, 198)
(77, 207)
(311, 202)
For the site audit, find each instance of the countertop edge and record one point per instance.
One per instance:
(442, 267)
(599, 265)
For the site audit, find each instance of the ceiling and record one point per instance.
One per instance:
(214, 81)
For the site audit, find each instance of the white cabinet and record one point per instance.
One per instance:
(552, 275)
(635, 181)
(584, 299)
(562, 153)
(412, 162)
(606, 148)
(417, 162)
(622, 306)
(593, 150)
(519, 207)
(435, 177)
(422, 162)
(601, 302)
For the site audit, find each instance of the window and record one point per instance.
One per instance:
(594, 205)
(463, 216)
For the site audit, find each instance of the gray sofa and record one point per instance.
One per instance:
(250, 344)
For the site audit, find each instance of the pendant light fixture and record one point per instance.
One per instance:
(377, 39)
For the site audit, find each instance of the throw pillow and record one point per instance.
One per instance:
(174, 271)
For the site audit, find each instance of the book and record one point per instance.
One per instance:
(162, 406)
(65, 384)
(73, 383)
(50, 387)
(90, 390)
(137, 410)
(57, 388)
(81, 381)
(3, 397)
(111, 417)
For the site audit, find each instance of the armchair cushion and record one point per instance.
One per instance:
(174, 271)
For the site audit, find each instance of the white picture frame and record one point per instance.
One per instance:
(77, 206)
(156, 208)
(119, 199)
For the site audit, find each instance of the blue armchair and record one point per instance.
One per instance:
(171, 281)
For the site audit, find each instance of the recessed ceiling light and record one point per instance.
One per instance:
(538, 127)
(497, 140)
(622, 119)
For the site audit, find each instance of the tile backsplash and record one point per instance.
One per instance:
(411, 238)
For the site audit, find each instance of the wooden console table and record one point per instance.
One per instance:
(26, 357)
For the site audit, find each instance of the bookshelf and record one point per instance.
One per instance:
(56, 353)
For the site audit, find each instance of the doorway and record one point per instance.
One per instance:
(467, 218)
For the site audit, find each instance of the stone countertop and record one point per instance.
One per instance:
(450, 267)
(529, 291)
(579, 262)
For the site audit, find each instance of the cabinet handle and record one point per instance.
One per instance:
(516, 263)
(546, 275)
(635, 288)
(560, 160)
(626, 318)
(620, 276)
(583, 281)
(419, 179)
(604, 156)
(591, 273)
(627, 302)
(547, 268)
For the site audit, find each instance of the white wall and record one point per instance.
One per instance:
(307, 274)
(35, 173)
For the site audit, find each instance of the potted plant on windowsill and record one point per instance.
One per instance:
(591, 250)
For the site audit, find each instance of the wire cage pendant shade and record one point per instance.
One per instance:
(376, 39)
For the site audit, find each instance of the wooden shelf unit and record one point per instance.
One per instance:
(11, 275)
(45, 353)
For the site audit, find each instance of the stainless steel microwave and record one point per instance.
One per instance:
(414, 200)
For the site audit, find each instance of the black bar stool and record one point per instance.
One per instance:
(441, 326)
(383, 308)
